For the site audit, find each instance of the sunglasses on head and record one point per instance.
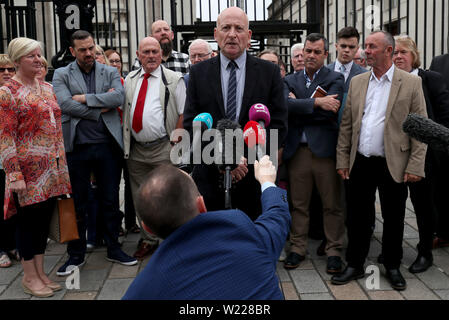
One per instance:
(9, 69)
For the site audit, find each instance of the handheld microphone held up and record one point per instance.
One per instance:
(427, 131)
(229, 154)
(260, 113)
(255, 137)
(200, 123)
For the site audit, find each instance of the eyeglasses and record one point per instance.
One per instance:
(10, 70)
(199, 55)
(115, 61)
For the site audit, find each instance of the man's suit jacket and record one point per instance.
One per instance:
(440, 64)
(68, 81)
(436, 94)
(320, 126)
(403, 154)
(219, 255)
(263, 84)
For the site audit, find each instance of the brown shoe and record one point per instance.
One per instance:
(440, 243)
(145, 249)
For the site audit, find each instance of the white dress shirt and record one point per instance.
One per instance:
(371, 142)
(153, 126)
(347, 66)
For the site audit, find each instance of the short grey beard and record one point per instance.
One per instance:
(167, 48)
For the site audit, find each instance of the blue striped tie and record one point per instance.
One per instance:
(231, 106)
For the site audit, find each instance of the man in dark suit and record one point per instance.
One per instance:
(210, 255)
(440, 64)
(310, 151)
(227, 86)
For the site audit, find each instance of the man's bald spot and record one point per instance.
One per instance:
(233, 11)
(149, 40)
(158, 22)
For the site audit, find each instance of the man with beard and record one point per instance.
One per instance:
(171, 59)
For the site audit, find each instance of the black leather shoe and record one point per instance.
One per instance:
(396, 279)
(421, 264)
(348, 275)
(321, 250)
(334, 265)
(293, 260)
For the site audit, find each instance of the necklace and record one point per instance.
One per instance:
(35, 89)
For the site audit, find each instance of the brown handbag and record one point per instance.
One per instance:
(63, 225)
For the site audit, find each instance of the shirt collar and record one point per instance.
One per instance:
(156, 73)
(314, 76)
(415, 72)
(240, 61)
(389, 74)
(347, 66)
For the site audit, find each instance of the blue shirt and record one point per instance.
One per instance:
(240, 74)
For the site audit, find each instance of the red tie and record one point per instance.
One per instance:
(138, 111)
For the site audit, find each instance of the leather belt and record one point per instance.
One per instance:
(152, 143)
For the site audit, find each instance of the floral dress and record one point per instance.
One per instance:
(31, 144)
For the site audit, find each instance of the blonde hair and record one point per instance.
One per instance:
(100, 49)
(44, 62)
(410, 44)
(5, 61)
(20, 47)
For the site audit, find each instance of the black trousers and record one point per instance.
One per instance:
(423, 197)
(32, 227)
(441, 194)
(7, 227)
(367, 175)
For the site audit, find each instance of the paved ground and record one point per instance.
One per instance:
(103, 280)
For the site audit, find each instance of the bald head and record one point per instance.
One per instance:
(232, 32)
(149, 54)
(233, 12)
(167, 199)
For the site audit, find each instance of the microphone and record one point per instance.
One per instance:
(255, 137)
(226, 159)
(260, 113)
(427, 131)
(200, 123)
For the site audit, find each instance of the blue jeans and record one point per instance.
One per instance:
(104, 160)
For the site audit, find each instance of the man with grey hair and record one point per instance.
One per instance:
(373, 152)
(297, 54)
(360, 58)
(199, 50)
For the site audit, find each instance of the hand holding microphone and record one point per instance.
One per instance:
(264, 171)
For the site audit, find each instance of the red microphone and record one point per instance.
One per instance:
(254, 136)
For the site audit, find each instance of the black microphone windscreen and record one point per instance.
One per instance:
(231, 137)
(427, 131)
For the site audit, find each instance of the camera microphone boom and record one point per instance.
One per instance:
(427, 131)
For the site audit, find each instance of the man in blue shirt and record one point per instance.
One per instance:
(215, 255)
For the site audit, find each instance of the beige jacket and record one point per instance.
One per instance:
(403, 154)
(172, 115)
